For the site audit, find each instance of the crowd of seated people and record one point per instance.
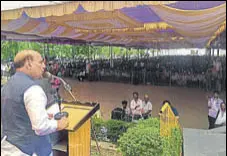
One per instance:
(205, 72)
(187, 71)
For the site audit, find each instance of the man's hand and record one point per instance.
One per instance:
(142, 111)
(50, 116)
(62, 123)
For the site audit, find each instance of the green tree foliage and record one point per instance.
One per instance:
(10, 48)
(115, 128)
(144, 139)
(172, 145)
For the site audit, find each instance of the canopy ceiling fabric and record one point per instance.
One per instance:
(148, 24)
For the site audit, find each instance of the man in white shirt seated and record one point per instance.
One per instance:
(147, 107)
(136, 106)
(221, 117)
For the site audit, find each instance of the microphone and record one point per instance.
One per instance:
(60, 114)
(50, 76)
(66, 85)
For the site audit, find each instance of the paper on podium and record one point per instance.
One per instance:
(78, 113)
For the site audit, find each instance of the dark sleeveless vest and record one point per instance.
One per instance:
(15, 120)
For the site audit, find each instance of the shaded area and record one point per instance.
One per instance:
(190, 103)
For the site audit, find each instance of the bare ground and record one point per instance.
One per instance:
(190, 103)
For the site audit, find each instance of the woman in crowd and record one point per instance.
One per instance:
(221, 117)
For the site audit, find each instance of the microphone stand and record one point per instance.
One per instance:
(68, 88)
(60, 114)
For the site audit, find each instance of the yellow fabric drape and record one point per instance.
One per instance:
(218, 32)
(95, 20)
(187, 24)
(70, 7)
(145, 28)
(194, 23)
(190, 12)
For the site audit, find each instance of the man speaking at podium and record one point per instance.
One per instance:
(25, 120)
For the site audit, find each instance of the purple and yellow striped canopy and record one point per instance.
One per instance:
(148, 24)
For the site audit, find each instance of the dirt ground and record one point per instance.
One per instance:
(190, 103)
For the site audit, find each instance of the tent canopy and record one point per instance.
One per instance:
(147, 24)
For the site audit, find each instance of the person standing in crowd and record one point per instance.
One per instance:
(147, 107)
(88, 68)
(3, 67)
(25, 121)
(213, 106)
(208, 79)
(221, 117)
(136, 106)
(81, 75)
(174, 110)
(218, 73)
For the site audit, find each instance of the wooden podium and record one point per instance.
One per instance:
(79, 129)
